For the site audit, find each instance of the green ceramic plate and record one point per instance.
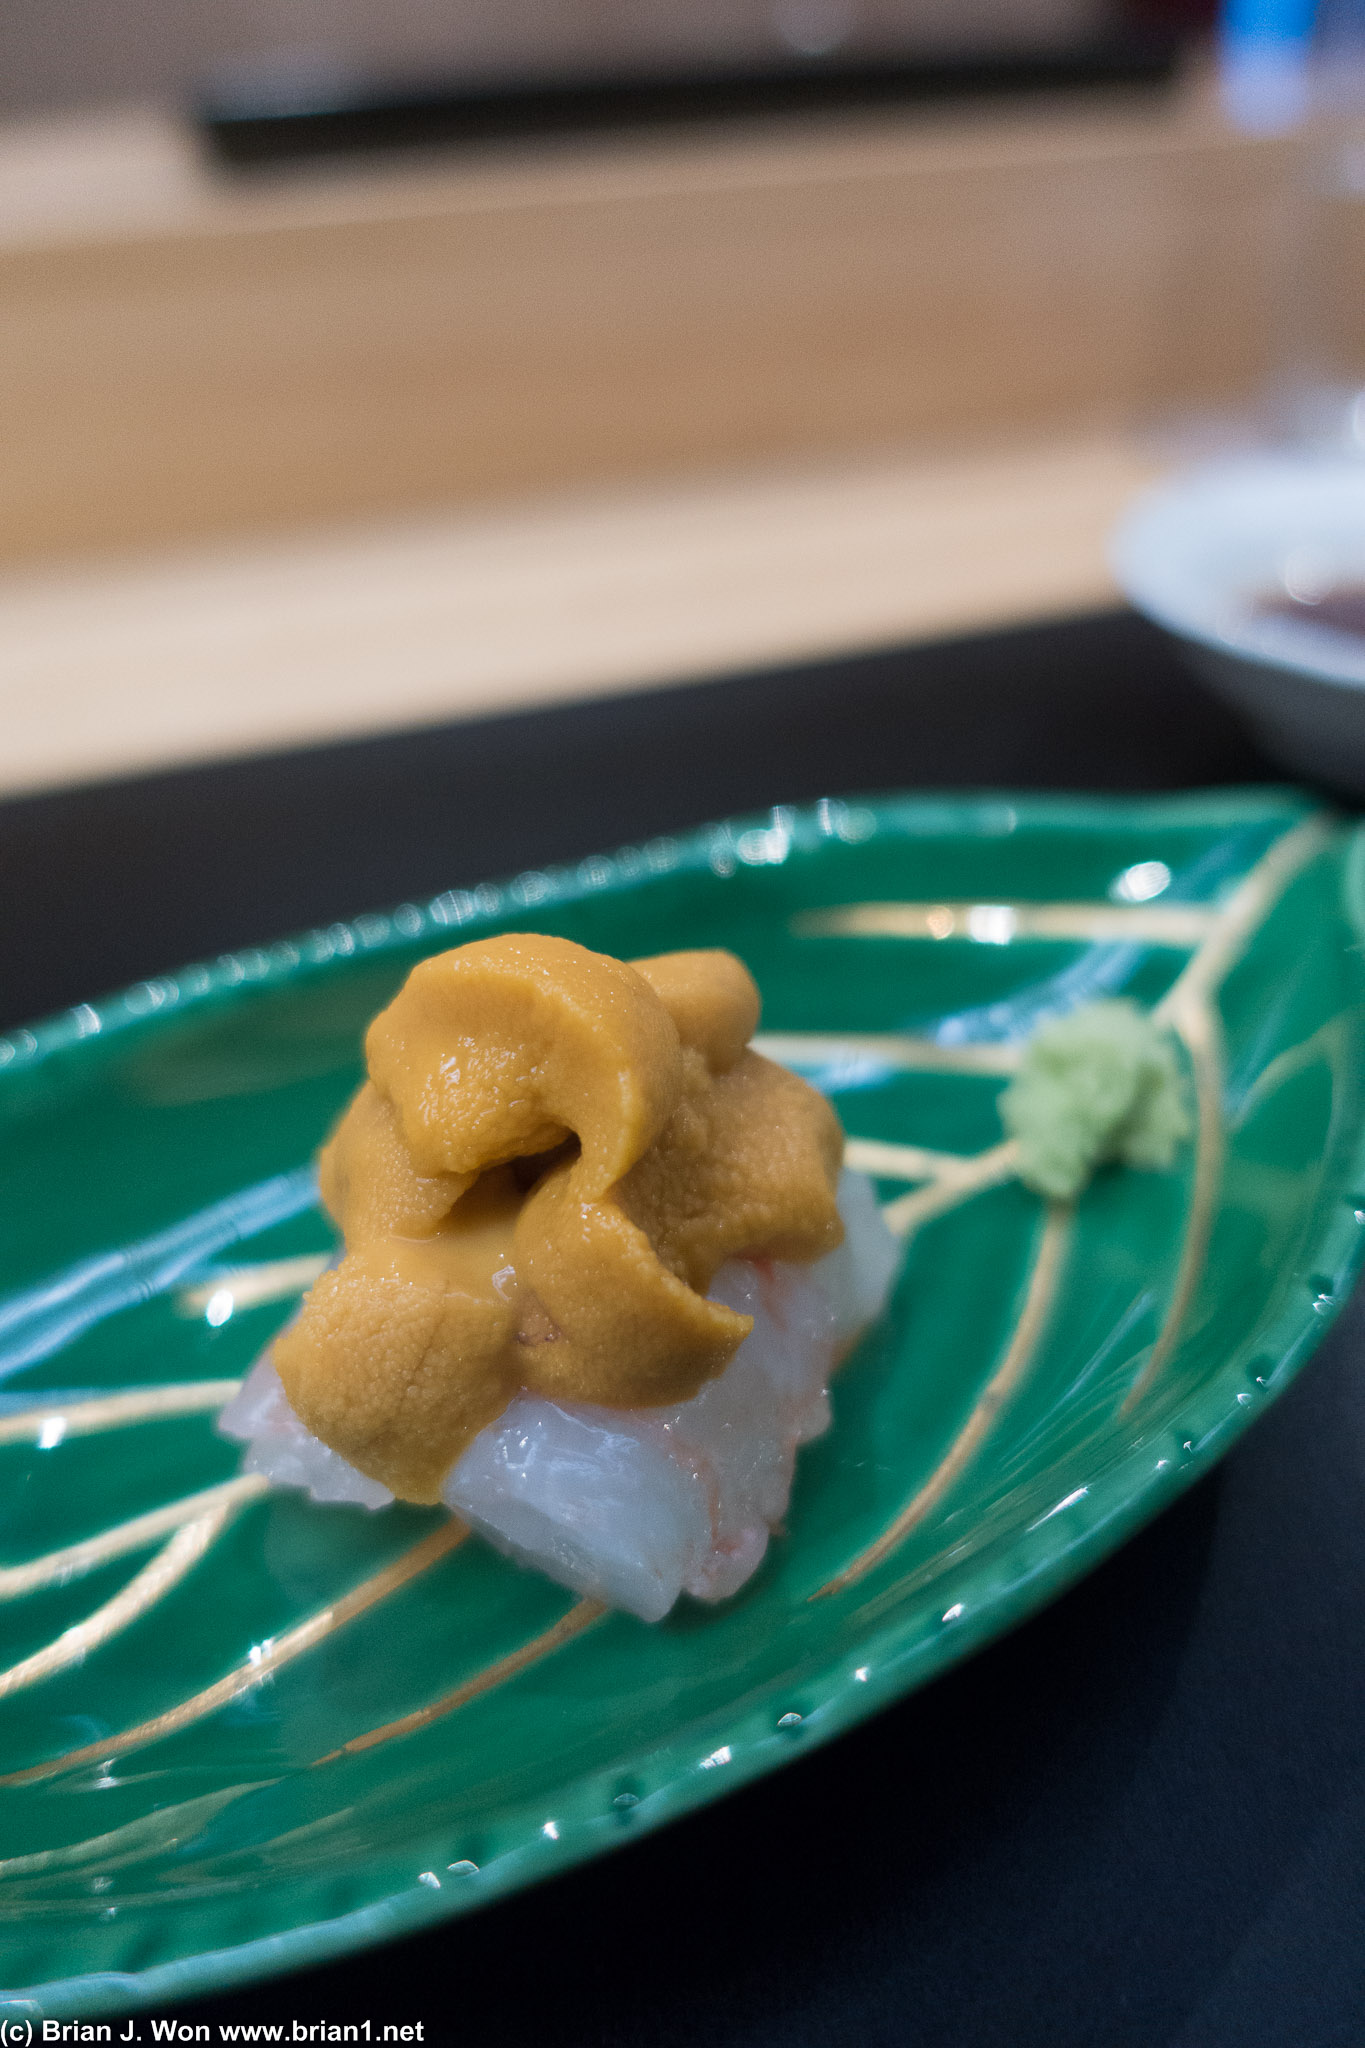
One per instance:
(240, 1733)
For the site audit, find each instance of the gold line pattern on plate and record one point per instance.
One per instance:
(580, 1617)
(1243, 912)
(1202, 1035)
(142, 1592)
(1326, 1044)
(889, 1049)
(969, 1176)
(1039, 1295)
(1190, 1009)
(252, 1285)
(164, 1827)
(1180, 925)
(52, 1425)
(905, 1162)
(268, 1657)
(75, 1560)
(193, 1524)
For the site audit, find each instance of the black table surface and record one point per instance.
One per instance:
(1136, 1822)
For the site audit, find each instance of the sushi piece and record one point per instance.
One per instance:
(595, 1274)
(635, 1506)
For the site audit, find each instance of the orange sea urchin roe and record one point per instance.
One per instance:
(553, 1154)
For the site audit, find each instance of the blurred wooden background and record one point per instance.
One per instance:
(182, 357)
(549, 421)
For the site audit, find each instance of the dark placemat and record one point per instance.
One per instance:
(1139, 1821)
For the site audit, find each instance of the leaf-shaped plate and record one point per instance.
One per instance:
(239, 1732)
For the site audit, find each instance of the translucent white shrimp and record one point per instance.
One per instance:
(635, 1506)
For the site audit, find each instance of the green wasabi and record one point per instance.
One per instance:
(1100, 1084)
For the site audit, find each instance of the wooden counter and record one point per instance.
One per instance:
(184, 354)
(227, 651)
(293, 457)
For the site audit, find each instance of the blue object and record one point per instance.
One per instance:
(1264, 49)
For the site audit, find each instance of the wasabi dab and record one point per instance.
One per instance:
(1101, 1084)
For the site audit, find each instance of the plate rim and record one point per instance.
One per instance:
(272, 962)
(1114, 1509)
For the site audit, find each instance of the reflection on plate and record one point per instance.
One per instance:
(240, 1733)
